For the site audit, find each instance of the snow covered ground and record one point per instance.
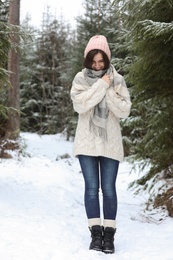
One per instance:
(42, 215)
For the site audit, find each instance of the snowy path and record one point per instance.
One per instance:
(42, 215)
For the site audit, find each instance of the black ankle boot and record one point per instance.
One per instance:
(96, 235)
(108, 240)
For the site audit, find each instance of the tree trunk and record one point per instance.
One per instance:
(13, 124)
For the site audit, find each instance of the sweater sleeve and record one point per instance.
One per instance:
(118, 98)
(85, 97)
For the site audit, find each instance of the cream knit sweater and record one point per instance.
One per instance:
(85, 98)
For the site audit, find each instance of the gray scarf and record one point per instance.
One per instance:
(99, 115)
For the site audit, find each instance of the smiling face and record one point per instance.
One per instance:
(98, 62)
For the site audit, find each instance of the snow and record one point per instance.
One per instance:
(42, 215)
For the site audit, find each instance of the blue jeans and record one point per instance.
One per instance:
(99, 171)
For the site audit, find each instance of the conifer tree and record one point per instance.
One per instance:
(9, 125)
(45, 91)
(122, 57)
(152, 78)
(4, 48)
(13, 122)
(9, 104)
(29, 97)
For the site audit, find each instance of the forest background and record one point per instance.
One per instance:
(37, 67)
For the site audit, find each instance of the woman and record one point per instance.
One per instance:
(100, 97)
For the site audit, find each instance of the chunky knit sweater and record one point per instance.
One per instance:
(85, 98)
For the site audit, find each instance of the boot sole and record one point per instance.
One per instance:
(108, 251)
(96, 249)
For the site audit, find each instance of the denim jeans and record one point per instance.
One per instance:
(99, 171)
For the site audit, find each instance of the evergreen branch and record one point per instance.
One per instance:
(151, 29)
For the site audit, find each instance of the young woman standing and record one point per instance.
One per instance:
(100, 96)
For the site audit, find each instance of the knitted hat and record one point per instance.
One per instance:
(98, 42)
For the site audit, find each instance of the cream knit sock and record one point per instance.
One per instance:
(94, 222)
(109, 223)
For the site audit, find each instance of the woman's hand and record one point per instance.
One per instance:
(106, 78)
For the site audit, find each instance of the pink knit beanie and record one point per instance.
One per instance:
(98, 42)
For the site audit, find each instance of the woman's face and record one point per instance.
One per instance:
(98, 63)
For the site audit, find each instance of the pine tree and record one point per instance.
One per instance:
(122, 57)
(8, 103)
(28, 68)
(152, 79)
(13, 122)
(4, 48)
(45, 92)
